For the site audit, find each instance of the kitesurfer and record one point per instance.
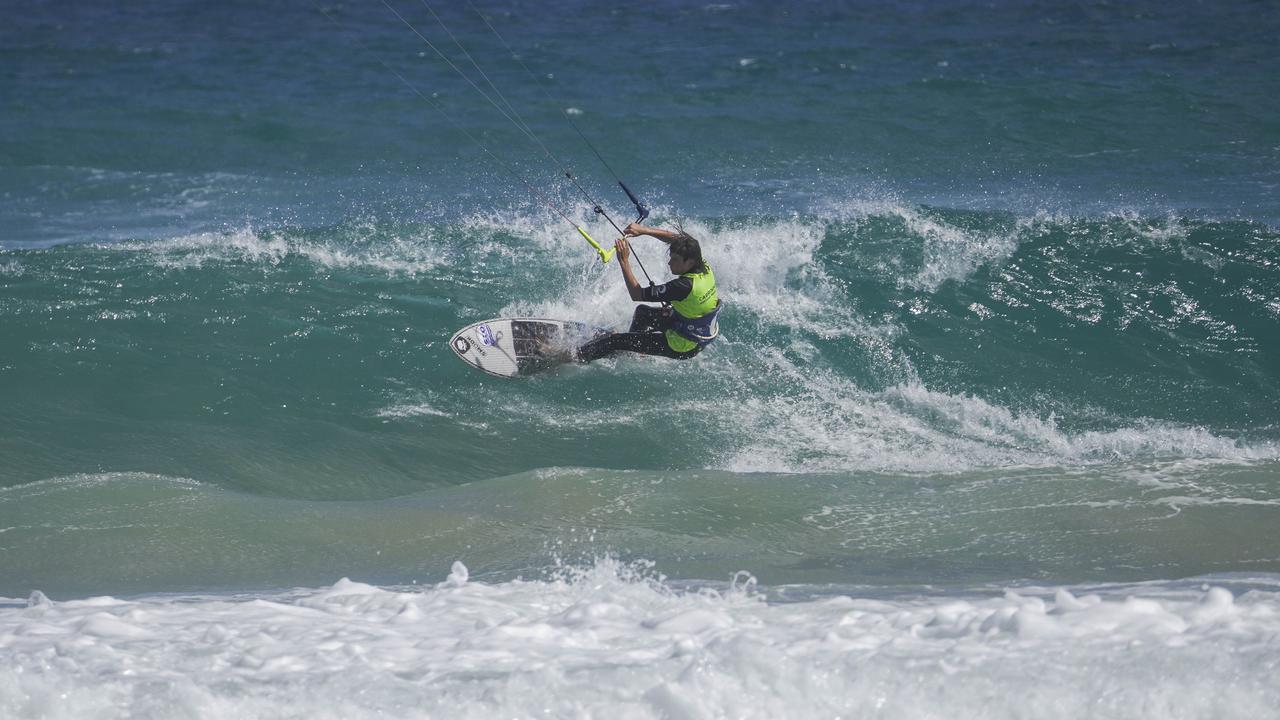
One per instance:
(685, 323)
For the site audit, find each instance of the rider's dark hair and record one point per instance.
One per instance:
(685, 246)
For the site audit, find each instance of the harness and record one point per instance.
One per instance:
(701, 330)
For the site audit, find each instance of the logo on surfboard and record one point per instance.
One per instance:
(487, 336)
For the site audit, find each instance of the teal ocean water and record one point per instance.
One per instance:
(997, 395)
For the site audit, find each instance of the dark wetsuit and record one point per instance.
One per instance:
(648, 325)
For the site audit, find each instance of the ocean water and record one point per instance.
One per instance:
(993, 428)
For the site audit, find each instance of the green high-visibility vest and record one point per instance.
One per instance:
(701, 300)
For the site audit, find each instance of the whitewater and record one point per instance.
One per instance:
(615, 641)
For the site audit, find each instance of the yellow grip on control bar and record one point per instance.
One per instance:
(605, 255)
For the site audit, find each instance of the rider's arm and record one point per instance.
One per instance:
(624, 262)
(665, 236)
(677, 289)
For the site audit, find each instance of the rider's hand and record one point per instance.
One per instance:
(623, 247)
(634, 229)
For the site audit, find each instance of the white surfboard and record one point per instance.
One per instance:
(516, 347)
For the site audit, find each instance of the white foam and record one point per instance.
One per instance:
(415, 403)
(408, 410)
(949, 251)
(400, 255)
(831, 425)
(20, 494)
(608, 642)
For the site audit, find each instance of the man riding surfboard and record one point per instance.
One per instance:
(685, 323)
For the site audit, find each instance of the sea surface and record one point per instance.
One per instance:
(992, 429)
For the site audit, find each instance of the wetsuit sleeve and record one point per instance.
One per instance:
(677, 289)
